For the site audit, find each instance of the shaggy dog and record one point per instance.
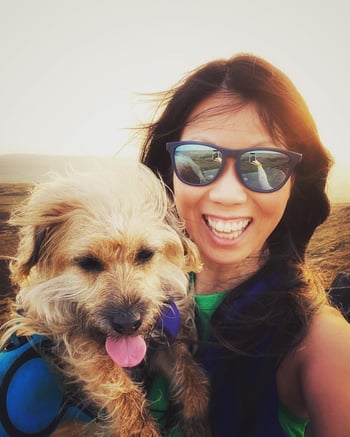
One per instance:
(101, 266)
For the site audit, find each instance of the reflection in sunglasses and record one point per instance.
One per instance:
(262, 170)
(217, 156)
(262, 177)
(189, 170)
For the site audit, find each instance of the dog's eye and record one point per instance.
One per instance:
(144, 255)
(90, 264)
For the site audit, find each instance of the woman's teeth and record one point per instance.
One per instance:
(228, 229)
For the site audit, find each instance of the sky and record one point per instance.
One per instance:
(77, 76)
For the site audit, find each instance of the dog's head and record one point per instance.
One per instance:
(101, 251)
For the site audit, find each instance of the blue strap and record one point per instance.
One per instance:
(170, 320)
(32, 401)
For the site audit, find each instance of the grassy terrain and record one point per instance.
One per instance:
(328, 254)
(329, 250)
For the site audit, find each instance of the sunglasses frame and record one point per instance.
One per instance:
(294, 157)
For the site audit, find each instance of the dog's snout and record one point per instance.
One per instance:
(126, 323)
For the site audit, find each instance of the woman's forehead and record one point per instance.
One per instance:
(219, 104)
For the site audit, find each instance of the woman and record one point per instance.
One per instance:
(278, 355)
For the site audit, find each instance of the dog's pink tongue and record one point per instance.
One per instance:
(127, 351)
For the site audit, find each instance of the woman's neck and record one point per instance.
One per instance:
(216, 278)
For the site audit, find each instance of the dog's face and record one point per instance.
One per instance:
(100, 254)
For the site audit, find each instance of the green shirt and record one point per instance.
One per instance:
(158, 393)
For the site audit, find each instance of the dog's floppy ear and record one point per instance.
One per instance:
(192, 258)
(193, 261)
(30, 255)
(38, 221)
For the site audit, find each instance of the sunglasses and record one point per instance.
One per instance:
(262, 169)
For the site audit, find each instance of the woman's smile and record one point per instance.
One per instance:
(228, 229)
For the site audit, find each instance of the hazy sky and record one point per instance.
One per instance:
(73, 73)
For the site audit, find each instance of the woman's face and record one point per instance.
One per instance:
(228, 222)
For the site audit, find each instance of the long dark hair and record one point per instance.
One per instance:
(285, 114)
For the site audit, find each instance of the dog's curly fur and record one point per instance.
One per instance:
(92, 246)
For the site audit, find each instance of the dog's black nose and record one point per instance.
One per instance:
(126, 323)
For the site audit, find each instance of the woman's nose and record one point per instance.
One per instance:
(228, 189)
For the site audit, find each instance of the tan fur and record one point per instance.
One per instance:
(113, 218)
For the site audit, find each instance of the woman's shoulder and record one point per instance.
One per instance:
(319, 366)
(327, 333)
(328, 328)
(324, 369)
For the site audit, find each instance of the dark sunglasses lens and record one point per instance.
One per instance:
(264, 170)
(197, 164)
